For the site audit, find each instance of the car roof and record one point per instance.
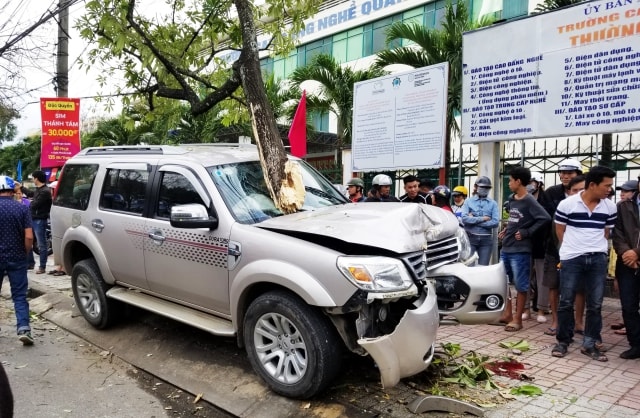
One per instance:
(204, 154)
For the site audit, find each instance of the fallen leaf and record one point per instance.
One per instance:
(486, 405)
(307, 405)
(198, 397)
(22, 367)
(168, 408)
(149, 355)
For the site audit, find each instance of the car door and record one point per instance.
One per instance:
(119, 224)
(186, 265)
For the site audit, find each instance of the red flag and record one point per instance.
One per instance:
(298, 131)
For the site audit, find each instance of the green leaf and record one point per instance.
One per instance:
(527, 390)
(521, 345)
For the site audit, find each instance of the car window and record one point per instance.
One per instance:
(124, 190)
(74, 186)
(175, 189)
(245, 193)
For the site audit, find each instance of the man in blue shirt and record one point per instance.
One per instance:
(480, 216)
(16, 239)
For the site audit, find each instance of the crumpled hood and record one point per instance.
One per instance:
(398, 227)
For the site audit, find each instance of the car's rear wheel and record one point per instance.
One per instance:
(291, 345)
(90, 294)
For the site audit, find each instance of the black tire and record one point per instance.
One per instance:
(279, 326)
(36, 250)
(90, 294)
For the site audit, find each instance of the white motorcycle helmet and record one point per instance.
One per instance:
(7, 183)
(538, 177)
(382, 180)
(570, 164)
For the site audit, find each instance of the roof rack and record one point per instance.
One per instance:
(133, 149)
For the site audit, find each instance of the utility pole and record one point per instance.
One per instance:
(62, 62)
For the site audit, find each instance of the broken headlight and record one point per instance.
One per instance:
(378, 274)
(464, 246)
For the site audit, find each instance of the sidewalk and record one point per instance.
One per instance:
(573, 386)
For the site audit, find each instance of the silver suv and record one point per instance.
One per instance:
(191, 233)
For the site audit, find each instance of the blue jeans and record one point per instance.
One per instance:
(588, 272)
(17, 272)
(518, 267)
(39, 230)
(629, 287)
(483, 245)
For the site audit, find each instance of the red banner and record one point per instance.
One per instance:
(60, 130)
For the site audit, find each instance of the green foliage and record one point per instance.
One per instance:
(27, 150)
(336, 89)
(527, 390)
(434, 46)
(465, 371)
(8, 130)
(176, 51)
(521, 345)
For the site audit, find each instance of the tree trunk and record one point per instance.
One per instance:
(283, 178)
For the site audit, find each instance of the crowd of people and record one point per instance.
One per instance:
(558, 245)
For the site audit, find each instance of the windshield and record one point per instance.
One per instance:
(245, 193)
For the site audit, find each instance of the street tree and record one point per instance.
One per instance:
(25, 44)
(434, 46)
(335, 94)
(8, 130)
(180, 55)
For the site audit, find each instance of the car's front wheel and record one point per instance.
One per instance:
(90, 294)
(291, 345)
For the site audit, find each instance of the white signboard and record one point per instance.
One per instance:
(569, 72)
(399, 120)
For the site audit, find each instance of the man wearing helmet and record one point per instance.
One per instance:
(16, 239)
(459, 194)
(567, 170)
(440, 197)
(480, 216)
(380, 192)
(355, 188)
(412, 189)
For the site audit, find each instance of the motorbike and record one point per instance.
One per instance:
(47, 233)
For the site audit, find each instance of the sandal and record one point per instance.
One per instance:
(59, 273)
(52, 272)
(579, 331)
(617, 325)
(594, 353)
(513, 327)
(40, 271)
(559, 350)
(600, 346)
(550, 331)
(621, 331)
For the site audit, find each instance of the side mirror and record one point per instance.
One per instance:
(192, 216)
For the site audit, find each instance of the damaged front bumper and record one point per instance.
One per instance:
(470, 295)
(409, 348)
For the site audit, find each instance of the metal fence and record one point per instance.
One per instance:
(539, 155)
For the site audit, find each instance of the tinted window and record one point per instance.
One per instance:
(175, 189)
(124, 190)
(74, 186)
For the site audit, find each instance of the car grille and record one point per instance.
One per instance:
(444, 251)
(438, 253)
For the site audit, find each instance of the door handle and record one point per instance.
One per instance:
(157, 236)
(97, 224)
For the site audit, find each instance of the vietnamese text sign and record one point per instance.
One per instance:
(60, 130)
(399, 120)
(569, 72)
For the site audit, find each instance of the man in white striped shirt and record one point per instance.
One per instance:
(583, 223)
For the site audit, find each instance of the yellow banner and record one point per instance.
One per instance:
(58, 105)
